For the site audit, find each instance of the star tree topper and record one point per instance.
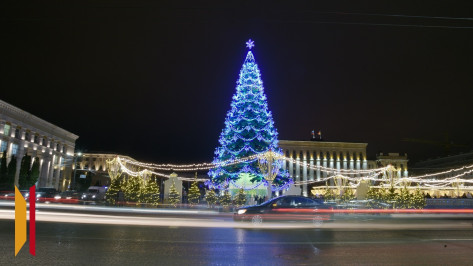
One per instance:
(250, 44)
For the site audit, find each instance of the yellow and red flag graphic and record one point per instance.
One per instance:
(20, 220)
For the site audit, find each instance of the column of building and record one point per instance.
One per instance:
(352, 162)
(304, 173)
(298, 167)
(324, 164)
(345, 162)
(19, 156)
(337, 162)
(45, 166)
(311, 166)
(358, 163)
(291, 164)
(58, 169)
(49, 178)
(2, 128)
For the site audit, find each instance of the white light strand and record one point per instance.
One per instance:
(208, 166)
(141, 173)
(190, 167)
(373, 174)
(335, 170)
(444, 172)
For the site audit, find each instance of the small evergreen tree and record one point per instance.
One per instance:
(391, 196)
(194, 193)
(403, 199)
(240, 198)
(328, 194)
(376, 197)
(225, 199)
(112, 192)
(418, 200)
(211, 198)
(347, 195)
(24, 172)
(174, 196)
(133, 189)
(11, 172)
(151, 192)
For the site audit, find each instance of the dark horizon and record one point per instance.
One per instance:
(154, 81)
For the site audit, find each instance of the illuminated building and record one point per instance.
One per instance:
(336, 155)
(22, 133)
(92, 169)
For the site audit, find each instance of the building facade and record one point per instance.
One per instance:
(399, 161)
(337, 155)
(22, 133)
(91, 169)
(445, 164)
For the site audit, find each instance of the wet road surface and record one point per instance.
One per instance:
(112, 244)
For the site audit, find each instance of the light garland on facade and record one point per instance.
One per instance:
(334, 170)
(444, 172)
(229, 162)
(454, 182)
(191, 167)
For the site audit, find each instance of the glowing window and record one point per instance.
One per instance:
(3, 147)
(6, 130)
(14, 149)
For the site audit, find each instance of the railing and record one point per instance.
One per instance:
(449, 203)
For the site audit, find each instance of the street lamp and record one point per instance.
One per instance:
(268, 164)
(75, 169)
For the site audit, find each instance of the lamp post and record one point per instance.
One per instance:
(267, 162)
(75, 169)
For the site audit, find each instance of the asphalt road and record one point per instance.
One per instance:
(69, 243)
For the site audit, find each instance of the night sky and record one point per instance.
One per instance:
(154, 79)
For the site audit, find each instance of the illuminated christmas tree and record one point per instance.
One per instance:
(347, 195)
(112, 192)
(377, 197)
(249, 130)
(418, 200)
(225, 199)
(240, 198)
(133, 189)
(174, 196)
(403, 199)
(211, 198)
(194, 193)
(151, 192)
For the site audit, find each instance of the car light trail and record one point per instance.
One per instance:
(43, 216)
(375, 211)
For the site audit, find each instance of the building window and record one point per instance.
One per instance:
(6, 130)
(44, 141)
(17, 133)
(3, 147)
(36, 139)
(27, 136)
(64, 149)
(14, 149)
